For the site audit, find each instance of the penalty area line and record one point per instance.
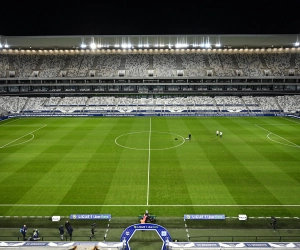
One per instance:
(295, 145)
(30, 133)
(4, 123)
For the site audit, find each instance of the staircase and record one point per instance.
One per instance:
(151, 62)
(292, 61)
(235, 63)
(123, 62)
(179, 62)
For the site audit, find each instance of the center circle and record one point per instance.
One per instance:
(145, 140)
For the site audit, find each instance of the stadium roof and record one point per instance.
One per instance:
(149, 41)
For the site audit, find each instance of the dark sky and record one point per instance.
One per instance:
(109, 17)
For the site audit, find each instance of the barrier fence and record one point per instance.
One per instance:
(128, 115)
(260, 238)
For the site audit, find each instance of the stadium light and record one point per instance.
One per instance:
(93, 46)
(218, 42)
(83, 45)
(126, 46)
(207, 44)
(181, 45)
(1, 46)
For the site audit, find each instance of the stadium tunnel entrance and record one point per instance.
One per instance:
(161, 231)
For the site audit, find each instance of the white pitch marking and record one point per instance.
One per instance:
(295, 146)
(3, 124)
(116, 141)
(23, 136)
(143, 205)
(277, 135)
(277, 124)
(21, 125)
(149, 150)
(290, 120)
(32, 136)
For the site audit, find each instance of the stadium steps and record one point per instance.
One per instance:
(123, 62)
(151, 62)
(23, 108)
(39, 63)
(67, 63)
(206, 61)
(11, 62)
(256, 101)
(87, 102)
(261, 58)
(235, 63)
(46, 100)
(215, 105)
(214, 101)
(277, 103)
(245, 105)
(179, 62)
(61, 99)
(95, 61)
(292, 61)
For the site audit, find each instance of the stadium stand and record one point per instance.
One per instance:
(151, 81)
(137, 65)
(176, 105)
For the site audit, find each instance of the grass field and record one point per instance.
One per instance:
(123, 166)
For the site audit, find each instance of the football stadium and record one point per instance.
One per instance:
(150, 142)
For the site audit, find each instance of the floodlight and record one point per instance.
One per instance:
(83, 45)
(297, 44)
(93, 46)
(1, 46)
(181, 45)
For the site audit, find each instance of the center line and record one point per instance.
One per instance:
(149, 146)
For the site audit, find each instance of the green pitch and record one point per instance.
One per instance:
(123, 166)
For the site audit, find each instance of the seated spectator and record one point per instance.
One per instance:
(35, 235)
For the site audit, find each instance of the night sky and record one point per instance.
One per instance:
(108, 17)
